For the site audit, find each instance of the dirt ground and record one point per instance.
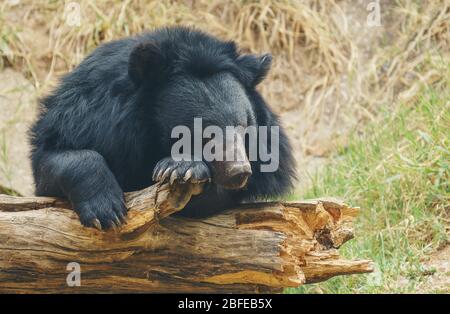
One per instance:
(18, 110)
(438, 266)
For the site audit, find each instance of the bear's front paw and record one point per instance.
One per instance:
(103, 211)
(169, 170)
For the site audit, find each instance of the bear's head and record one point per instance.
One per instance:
(184, 76)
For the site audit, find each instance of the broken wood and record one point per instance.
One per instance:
(260, 247)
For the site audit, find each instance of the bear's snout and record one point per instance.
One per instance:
(233, 174)
(237, 175)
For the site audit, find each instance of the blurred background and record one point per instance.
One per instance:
(362, 88)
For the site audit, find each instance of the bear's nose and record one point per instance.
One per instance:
(237, 175)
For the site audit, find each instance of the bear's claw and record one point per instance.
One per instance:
(169, 170)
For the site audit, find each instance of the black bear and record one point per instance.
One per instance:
(107, 128)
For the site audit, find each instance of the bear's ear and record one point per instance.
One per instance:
(147, 63)
(254, 68)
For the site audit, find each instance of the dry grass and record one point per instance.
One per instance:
(331, 72)
(319, 67)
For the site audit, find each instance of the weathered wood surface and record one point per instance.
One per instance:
(261, 247)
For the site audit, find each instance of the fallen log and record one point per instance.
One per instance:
(259, 247)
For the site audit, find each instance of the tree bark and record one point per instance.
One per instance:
(259, 247)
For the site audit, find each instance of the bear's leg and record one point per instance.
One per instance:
(85, 179)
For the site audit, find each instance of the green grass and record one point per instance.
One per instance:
(397, 171)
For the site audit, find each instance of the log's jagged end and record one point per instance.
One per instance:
(313, 230)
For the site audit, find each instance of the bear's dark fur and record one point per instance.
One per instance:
(109, 123)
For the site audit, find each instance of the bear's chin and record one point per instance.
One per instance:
(236, 184)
